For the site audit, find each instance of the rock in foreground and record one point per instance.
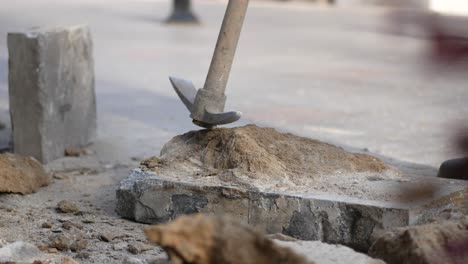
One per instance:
(19, 174)
(203, 239)
(426, 244)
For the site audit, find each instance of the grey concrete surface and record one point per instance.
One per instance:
(305, 214)
(51, 91)
(334, 74)
(322, 253)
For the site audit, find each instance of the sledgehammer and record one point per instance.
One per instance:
(206, 105)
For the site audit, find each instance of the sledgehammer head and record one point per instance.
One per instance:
(206, 108)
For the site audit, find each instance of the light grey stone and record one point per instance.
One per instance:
(149, 198)
(51, 89)
(18, 252)
(132, 260)
(322, 253)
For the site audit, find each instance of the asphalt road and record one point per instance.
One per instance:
(335, 74)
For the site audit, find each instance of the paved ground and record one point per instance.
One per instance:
(327, 73)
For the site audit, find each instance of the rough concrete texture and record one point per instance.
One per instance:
(21, 252)
(19, 174)
(205, 239)
(323, 253)
(426, 244)
(51, 89)
(18, 252)
(350, 208)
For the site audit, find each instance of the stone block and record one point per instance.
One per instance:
(148, 197)
(51, 90)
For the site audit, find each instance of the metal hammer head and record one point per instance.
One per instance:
(206, 107)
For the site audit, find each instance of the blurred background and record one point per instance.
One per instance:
(364, 74)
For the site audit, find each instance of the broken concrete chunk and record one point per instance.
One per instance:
(426, 244)
(18, 252)
(66, 207)
(79, 245)
(19, 174)
(65, 241)
(61, 242)
(51, 89)
(281, 183)
(203, 239)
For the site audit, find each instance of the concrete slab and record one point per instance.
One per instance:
(51, 90)
(282, 183)
(326, 215)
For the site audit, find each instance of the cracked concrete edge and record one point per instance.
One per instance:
(144, 197)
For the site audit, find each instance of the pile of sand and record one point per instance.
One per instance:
(259, 153)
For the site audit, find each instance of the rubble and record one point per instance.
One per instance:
(78, 245)
(66, 207)
(445, 242)
(20, 174)
(60, 242)
(74, 241)
(18, 252)
(202, 239)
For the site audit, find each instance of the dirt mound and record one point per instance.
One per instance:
(259, 152)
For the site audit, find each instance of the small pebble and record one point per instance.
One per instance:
(52, 250)
(65, 206)
(138, 247)
(79, 245)
(46, 225)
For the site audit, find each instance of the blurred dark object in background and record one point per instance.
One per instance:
(449, 37)
(182, 12)
(445, 26)
(454, 169)
(446, 29)
(457, 168)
